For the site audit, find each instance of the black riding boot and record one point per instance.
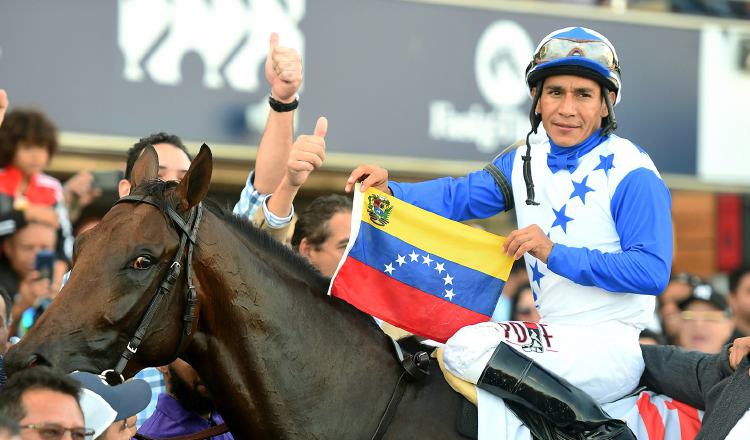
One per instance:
(513, 376)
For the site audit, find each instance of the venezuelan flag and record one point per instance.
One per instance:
(419, 271)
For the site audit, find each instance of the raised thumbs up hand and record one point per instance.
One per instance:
(308, 154)
(283, 70)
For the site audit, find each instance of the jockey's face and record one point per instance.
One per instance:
(173, 164)
(572, 108)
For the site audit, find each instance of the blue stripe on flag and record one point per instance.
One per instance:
(429, 273)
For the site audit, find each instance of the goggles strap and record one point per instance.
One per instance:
(535, 120)
(611, 119)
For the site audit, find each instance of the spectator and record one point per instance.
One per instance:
(44, 402)
(707, 323)
(524, 308)
(680, 288)
(28, 141)
(185, 408)
(517, 278)
(122, 401)
(322, 232)
(19, 277)
(739, 300)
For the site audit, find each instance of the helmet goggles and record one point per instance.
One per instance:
(573, 49)
(562, 48)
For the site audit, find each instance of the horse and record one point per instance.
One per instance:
(281, 358)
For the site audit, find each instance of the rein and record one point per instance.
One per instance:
(416, 367)
(188, 232)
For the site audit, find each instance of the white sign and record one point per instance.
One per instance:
(230, 37)
(503, 51)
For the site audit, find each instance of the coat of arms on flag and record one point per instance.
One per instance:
(419, 271)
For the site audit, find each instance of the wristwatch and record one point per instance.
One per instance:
(282, 107)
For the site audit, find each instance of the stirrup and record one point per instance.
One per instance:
(513, 376)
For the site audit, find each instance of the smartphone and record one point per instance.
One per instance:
(107, 181)
(45, 261)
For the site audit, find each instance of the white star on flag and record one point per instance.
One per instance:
(401, 260)
(389, 268)
(426, 260)
(439, 267)
(449, 294)
(414, 256)
(448, 279)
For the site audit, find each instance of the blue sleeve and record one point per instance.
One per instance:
(641, 211)
(473, 196)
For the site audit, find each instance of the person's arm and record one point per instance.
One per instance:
(284, 74)
(283, 71)
(306, 156)
(686, 376)
(641, 210)
(473, 196)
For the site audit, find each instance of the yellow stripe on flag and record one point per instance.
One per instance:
(454, 241)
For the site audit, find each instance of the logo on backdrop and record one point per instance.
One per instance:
(503, 51)
(229, 36)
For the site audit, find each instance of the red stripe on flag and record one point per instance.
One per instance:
(690, 422)
(413, 310)
(651, 417)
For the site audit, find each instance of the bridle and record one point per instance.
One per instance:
(188, 232)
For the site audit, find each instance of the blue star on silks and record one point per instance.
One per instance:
(580, 189)
(561, 219)
(606, 163)
(536, 275)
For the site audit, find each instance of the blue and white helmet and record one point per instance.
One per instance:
(576, 51)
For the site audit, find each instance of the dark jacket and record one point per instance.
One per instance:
(704, 381)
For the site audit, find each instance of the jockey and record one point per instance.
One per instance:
(595, 231)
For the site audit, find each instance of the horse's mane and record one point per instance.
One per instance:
(163, 194)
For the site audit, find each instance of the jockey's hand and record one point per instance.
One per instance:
(739, 350)
(530, 239)
(369, 175)
(307, 155)
(283, 71)
(3, 104)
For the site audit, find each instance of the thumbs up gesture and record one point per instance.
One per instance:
(283, 71)
(308, 153)
(3, 104)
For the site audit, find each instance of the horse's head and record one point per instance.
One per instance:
(119, 268)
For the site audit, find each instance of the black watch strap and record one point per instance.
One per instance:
(282, 107)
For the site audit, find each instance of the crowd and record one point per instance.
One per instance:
(171, 400)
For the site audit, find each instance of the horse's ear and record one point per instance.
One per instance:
(145, 168)
(194, 186)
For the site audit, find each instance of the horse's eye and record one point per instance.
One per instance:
(142, 262)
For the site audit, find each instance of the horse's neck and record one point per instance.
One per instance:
(297, 357)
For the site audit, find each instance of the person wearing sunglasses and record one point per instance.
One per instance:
(44, 402)
(594, 228)
(706, 320)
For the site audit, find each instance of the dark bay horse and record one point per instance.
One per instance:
(282, 359)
